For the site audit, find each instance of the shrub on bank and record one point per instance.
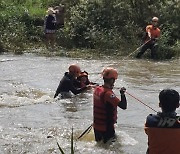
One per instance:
(116, 25)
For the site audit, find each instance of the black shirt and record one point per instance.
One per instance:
(67, 84)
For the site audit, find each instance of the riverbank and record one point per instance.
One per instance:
(86, 54)
(90, 25)
(70, 53)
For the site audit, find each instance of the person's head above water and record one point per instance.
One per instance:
(74, 70)
(168, 100)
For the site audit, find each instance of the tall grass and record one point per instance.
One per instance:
(72, 144)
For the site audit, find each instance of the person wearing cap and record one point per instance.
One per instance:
(83, 80)
(105, 104)
(163, 128)
(152, 34)
(68, 83)
(50, 28)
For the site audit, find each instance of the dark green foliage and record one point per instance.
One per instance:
(97, 24)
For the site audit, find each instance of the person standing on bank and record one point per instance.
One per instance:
(105, 104)
(60, 13)
(152, 35)
(69, 82)
(163, 128)
(50, 28)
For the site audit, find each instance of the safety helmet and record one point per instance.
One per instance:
(155, 19)
(74, 69)
(109, 73)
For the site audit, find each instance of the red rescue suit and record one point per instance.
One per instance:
(105, 108)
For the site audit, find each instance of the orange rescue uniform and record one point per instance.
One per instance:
(163, 132)
(163, 140)
(155, 32)
(105, 108)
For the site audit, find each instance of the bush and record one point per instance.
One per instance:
(117, 25)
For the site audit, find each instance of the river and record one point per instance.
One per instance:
(32, 122)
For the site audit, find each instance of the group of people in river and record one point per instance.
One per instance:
(163, 129)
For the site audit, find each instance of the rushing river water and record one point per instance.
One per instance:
(31, 121)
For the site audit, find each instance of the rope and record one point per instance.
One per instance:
(86, 131)
(141, 101)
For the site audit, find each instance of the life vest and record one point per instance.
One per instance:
(163, 140)
(100, 110)
(155, 32)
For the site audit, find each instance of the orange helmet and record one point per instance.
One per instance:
(109, 73)
(74, 68)
(155, 19)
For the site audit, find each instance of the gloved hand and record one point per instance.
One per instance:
(122, 90)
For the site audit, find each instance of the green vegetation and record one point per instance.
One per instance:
(72, 145)
(103, 25)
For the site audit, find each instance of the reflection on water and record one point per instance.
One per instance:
(32, 121)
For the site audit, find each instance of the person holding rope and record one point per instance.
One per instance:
(152, 34)
(163, 129)
(105, 104)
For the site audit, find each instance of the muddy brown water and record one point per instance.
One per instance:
(31, 121)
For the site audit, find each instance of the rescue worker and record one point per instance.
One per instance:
(163, 129)
(84, 80)
(68, 82)
(105, 104)
(152, 35)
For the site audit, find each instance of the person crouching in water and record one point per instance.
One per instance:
(163, 129)
(83, 80)
(105, 104)
(68, 82)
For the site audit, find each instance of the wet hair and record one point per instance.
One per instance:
(169, 99)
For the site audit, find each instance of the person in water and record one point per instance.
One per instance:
(163, 128)
(83, 80)
(105, 104)
(152, 35)
(68, 83)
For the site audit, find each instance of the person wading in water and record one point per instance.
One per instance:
(163, 129)
(68, 83)
(105, 104)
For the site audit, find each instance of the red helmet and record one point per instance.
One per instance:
(74, 68)
(109, 73)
